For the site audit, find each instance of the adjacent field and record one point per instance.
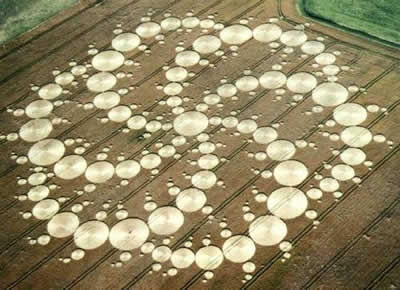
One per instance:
(352, 244)
(377, 18)
(19, 16)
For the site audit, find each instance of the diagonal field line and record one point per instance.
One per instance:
(240, 148)
(116, 131)
(7, 171)
(129, 285)
(193, 146)
(322, 216)
(63, 246)
(93, 148)
(23, 68)
(107, 256)
(147, 109)
(225, 203)
(277, 206)
(374, 122)
(72, 200)
(392, 107)
(160, 11)
(142, 81)
(350, 245)
(111, 252)
(266, 265)
(7, 78)
(376, 280)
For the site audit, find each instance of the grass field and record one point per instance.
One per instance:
(19, 16)
(377, 18)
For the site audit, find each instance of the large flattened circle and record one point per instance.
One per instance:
(91, 235)
(129, 234)
(70, 167)
(267, 32)
(290, 172)
(236, 34)
(330, 94)
(287, 202)
(101, 82)
(190, 123)
(108, 60)
(165, 220)
(46, 152)
(267, 230)
(301, 82)
(63, 225)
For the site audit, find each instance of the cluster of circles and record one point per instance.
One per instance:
(287, 202)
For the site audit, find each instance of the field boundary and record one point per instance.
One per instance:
(357, 33)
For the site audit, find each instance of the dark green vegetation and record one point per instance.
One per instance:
(19, 16)
(377, 18)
